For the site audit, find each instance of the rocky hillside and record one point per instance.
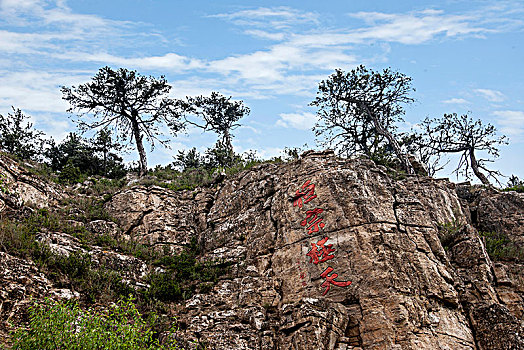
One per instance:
(320, 253)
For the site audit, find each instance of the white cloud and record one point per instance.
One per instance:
(456, 101)
(279, 63)
(56, 126)
(50, 27)
(250, 128)
(415, 27)
(170, 61)
(491, 95)
(301, 121)
(36, 90)
(512, 122)
(303, 49)
(276, 17)
(315, 48)
(410, 28)
(265, 35)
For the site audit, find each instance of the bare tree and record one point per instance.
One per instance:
(132, 104)
(463, 135)
(358, 111)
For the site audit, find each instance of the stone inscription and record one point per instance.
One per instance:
(320, 251)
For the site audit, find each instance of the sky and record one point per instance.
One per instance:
(463, 57)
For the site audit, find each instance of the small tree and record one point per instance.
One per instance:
(89, 156)
(190, 160)
(133, 104)
(515, 184)
(74, 150)
(358, 111)
(220, 115)
(514, 181)
(463, 135)
(105, 147)
(18, 137)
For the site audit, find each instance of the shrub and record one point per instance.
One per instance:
(448, 231)
(63, 325)
(70, 174)
(183, 274)
(500, 247)
(515, 184)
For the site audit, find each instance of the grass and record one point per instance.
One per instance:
(102, 187)
(85, 209)
(182, 275)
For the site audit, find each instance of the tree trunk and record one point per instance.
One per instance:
(227, 141)
(475, 167)
(394, 144)
(142, 163)
(104, 166)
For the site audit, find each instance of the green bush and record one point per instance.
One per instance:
(18, 237)
(500, 247)
(448, 232)
(183, 274)
(516, 188)
(70, 174)
(63, 325)
(515, 184)
(164, 286)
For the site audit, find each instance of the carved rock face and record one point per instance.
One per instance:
(298, 233)
(330, 254)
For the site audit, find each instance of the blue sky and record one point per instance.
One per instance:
(463, 56)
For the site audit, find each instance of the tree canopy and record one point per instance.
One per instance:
(463, 135)
(95, 156)
(18, 137)
(219, 114)
(134, 105)
(358, 111)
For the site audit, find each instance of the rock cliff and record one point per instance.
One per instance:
(323, 253)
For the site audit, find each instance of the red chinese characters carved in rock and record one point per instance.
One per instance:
(302, 274)
(331, 280)
(315, 223)
(320, 252)
(305, 194)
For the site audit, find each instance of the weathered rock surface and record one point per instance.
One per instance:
(20, 284)
(18, 187)
(379, 233)
(156, 216)
(406, 291)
